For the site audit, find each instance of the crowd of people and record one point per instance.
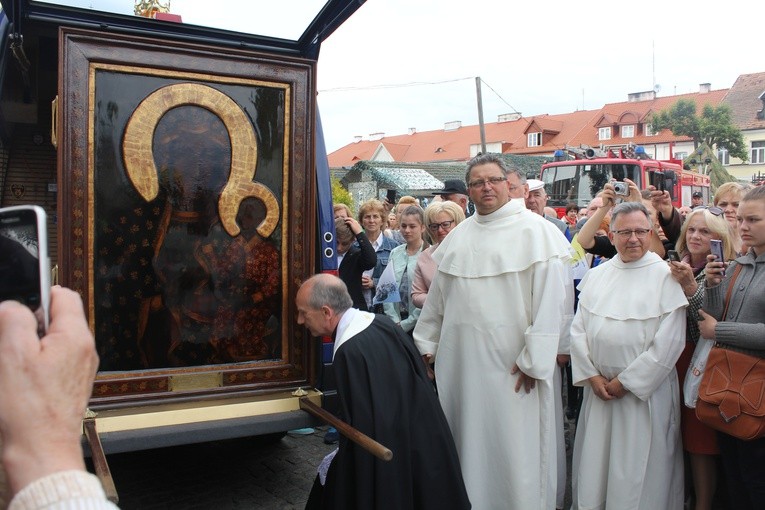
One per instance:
(461, 372)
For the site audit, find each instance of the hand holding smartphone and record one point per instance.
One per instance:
(24, 262)
(673, 256)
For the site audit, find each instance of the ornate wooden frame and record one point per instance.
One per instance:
(85, 54)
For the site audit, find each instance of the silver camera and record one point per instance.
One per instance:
(621, 188)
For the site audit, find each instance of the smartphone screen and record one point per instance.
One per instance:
(673, 256)
(24, 273)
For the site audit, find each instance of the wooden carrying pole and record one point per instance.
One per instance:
(351, 433)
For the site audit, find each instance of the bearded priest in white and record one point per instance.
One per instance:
(497, 306)
(628, 332)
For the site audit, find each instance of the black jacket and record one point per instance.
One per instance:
(357, 260)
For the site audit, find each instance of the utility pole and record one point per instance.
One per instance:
(480, 114)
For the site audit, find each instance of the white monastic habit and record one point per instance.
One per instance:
(630, 323)
(502, 295)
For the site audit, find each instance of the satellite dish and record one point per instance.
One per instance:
(657, 88)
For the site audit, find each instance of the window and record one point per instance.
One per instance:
(648, 130)
(604, 133)
(723, 155)
(628, 131)
(681, 155)
(758, 152)
(534, 139)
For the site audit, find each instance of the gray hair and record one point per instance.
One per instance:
(485, 159)
(627, 208)
(328, 290)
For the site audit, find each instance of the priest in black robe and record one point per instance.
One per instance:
(384, 392)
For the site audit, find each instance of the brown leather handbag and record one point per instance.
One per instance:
(732, 390)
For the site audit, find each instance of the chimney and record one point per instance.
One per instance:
(647, 95)
(453, 125)
(412, 131)
(376, 136)
(509, 117)
(705, 88)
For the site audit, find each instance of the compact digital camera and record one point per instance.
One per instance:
(621, 188)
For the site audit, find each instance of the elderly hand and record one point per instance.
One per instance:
(524, 380)
(615, 389)
(683, 274)
(428, 360)
(598, 384)
(45, 385)
(707, 325)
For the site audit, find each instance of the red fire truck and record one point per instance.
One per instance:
(578, 180)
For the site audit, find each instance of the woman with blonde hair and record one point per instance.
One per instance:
(701, 226)
(727, 197)
(440, 219)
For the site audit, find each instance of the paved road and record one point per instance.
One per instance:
(234, 474)
(221, 475)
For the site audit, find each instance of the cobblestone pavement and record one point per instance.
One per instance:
(233, 474)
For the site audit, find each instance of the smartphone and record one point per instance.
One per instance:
(391, 196)
(673, 256)
(716, 248)
(24, 262)
(658, 180)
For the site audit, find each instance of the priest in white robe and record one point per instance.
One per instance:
(628, 332)
(496, 308)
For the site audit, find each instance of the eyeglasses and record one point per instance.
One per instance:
(444, 225)
(640, 233)
(492, 181)
(711, 208)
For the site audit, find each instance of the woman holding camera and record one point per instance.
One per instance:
(742, 329)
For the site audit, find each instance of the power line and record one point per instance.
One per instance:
(500, 97)
(395, 85)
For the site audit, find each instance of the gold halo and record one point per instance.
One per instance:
(139, 158)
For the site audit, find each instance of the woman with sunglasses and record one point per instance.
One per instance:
(701, 225)
(441, 218)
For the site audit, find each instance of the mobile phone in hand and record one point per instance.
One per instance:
(716, 248)
(24, 262)
(391, 196)
(673, 256)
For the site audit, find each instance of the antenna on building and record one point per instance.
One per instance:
(653, 64)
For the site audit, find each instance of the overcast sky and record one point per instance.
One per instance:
(555, 56)
(541, 57)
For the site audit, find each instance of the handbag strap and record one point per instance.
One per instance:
(731, 284)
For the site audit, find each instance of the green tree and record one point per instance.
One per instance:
(340, 195)
(714, 126)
